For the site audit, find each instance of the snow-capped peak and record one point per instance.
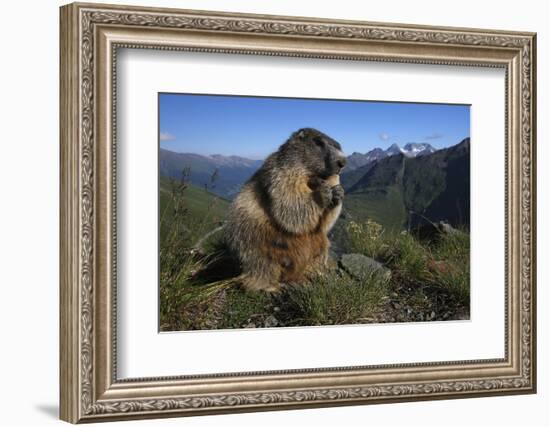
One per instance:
(411, 149)
(394, 149)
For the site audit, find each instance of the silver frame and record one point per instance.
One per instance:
(90, 37)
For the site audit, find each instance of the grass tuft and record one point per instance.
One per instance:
(335, 299)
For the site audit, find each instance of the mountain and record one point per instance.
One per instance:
(402, 190)
(398, 187)
(393, 150)
(417, 149)
(411, 149)
(356, 160)
(222, 175)
(451, 203)
(349, 177)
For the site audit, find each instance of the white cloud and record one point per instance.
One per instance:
(383, 136)
(165, 136)
(435, 135)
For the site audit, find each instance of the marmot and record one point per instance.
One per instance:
(278, 223)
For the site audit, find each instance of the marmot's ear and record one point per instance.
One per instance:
(301, 134)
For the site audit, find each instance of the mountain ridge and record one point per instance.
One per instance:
(410, 149)
(430, 188)
(222, 175)
(397, 187)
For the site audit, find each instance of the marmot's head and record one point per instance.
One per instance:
(320, 154)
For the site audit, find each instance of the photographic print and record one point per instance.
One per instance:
(281, 212)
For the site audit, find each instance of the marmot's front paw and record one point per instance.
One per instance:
(327, 195)
(337, 195)
(323, 194)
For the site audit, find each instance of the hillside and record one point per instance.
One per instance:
(350, 177)
(381, 204)
(401, 191)
(203, 210)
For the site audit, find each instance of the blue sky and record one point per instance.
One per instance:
(253, 127)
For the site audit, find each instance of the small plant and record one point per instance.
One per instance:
(409, 258)
(368, 238)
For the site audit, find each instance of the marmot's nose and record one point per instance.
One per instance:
(341, 162)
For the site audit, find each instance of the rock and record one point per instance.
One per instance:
(433, 230)
(271, 322)
(446, 228)
(336, 248)
(359, 266)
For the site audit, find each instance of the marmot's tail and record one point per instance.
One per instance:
(199, 246)
(217, 286)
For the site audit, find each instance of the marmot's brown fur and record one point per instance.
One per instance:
(278, 223)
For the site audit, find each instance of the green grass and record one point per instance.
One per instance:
(186, 213)
(203, 210)
(409, 258)
(202, 290)
(443, 263)
(241, 308)
(452, 267)
(335, 299)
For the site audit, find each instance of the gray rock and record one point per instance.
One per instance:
(360, 266)
(446, 228)
(271, 322)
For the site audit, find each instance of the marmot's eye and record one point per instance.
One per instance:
(319, 141)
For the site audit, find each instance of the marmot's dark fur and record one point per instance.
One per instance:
(279, 221)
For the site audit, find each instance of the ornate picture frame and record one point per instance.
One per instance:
(90, 37)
